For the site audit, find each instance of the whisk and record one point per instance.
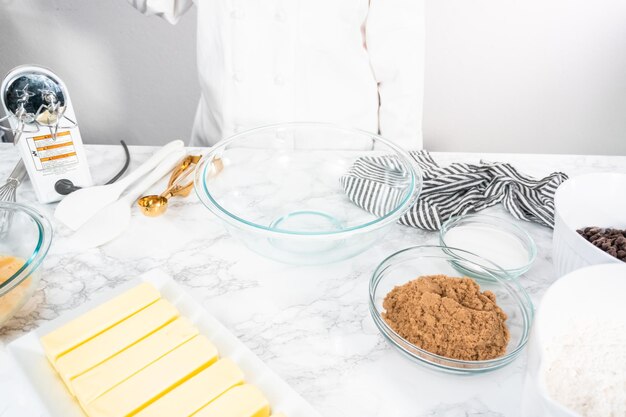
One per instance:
(8, 193)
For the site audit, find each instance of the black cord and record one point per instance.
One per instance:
(65, 186)
(124, 168)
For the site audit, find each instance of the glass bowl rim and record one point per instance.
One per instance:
(207, 199)
(44, 240)
(512, 285)
(490, 219)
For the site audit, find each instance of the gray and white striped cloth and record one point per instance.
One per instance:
(377, 184)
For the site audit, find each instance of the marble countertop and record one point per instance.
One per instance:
(310, 324)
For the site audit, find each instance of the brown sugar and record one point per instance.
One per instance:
(448, 316)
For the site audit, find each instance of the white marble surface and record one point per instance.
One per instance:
(310, 324)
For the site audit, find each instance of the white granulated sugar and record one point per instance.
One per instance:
(586, 368)
(499, 246)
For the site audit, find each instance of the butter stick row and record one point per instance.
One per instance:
(105, 345)
(96, 321)
(240, 401)
(151, 383)
(197, 392)
(128, 362)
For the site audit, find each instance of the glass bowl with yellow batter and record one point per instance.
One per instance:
(25, 237)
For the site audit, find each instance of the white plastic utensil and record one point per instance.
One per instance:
(112, 220)
(78, 207)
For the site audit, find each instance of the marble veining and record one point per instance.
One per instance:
(310, 324)
(471, 408)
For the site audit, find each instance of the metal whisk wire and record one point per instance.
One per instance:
(8, 193)
(8, 190)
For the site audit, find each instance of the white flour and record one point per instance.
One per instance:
(586, 368)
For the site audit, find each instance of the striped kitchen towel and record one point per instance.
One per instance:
(377, 184)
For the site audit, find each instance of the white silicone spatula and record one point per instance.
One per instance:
(112, 220)
(75, 209)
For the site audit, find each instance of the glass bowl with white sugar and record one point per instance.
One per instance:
(497, 239)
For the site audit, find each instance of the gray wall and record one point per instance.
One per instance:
(130, 77)
(546, 76)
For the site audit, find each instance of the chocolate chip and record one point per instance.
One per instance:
(595, 237)
(610, 240)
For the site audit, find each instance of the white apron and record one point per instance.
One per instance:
(357, 63)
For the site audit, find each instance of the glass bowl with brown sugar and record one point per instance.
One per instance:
(439, 318)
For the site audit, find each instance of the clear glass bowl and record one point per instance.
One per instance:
(499, 240)
(25, 235)
(277, 189)
(413, 262)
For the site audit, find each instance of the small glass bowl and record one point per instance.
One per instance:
(499, 240)
(25, 234)
(413, 262)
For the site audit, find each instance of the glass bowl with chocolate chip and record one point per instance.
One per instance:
(430, 313)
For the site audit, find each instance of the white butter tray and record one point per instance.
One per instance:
(51, 399)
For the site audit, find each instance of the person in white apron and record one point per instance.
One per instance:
(357, 63)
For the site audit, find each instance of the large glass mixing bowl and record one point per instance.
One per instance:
(278, 189)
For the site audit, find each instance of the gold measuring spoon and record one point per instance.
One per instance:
(156, 205)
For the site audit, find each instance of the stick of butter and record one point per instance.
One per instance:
(116, 369)
(105, 345)
(197, 392)
(240, 401)
(98, 320)
(152, 382)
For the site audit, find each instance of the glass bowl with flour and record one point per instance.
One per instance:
(499, 240)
